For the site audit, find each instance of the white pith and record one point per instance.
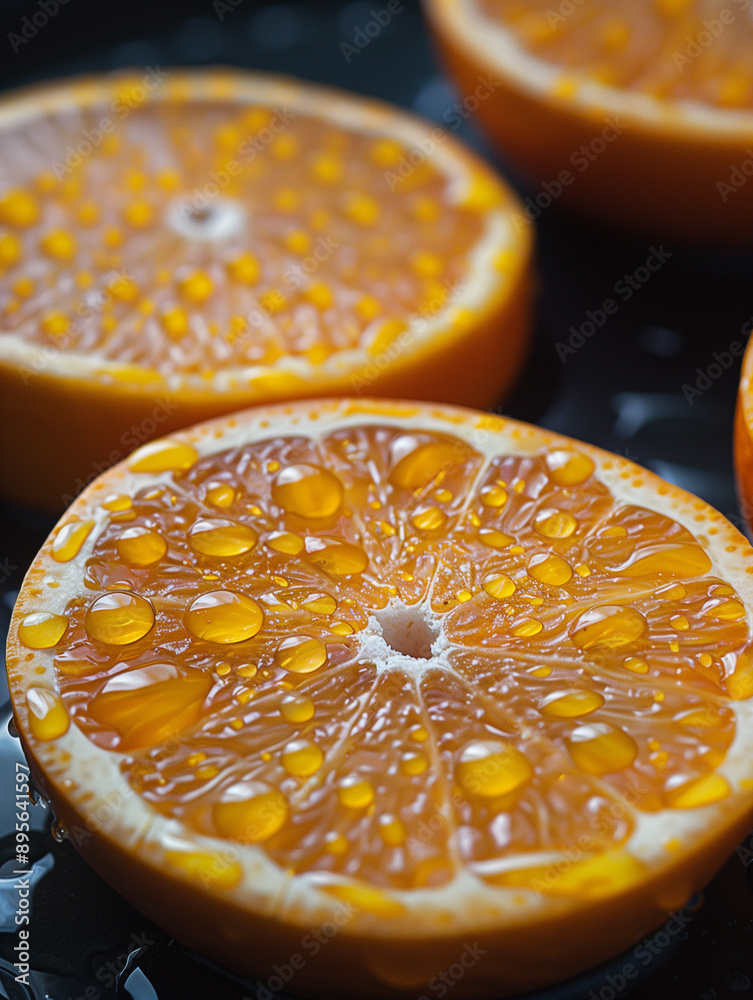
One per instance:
(89, 770)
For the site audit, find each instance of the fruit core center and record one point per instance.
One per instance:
(408, 630)
(204, 218)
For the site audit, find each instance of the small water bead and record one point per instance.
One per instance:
(494, 539)
(164, 455)
(220, 495)
(726, 611)
(635, 665)
(297, 708)
(220, 538)
(569, 467)
(338, 558)
(555, 523)
(42, 630)
(598, 748)
(355, 792)
(48, 718)
(247, 670)
(140, 546)
(392, 830)
(413, 762)
(489, 768)
(608, 627)
(148, 704)
(320, 604)
(672, 592)
(117, 503)
(119, 618)
(69, 540)
(335, 843)
(680, 623)
(572, 704)
(697, 792)
(419, 733)
(423, 463)
(301, 654)
(493, 496)
(527, 628)
(429, 519)
(223, 616)
(250, 812)
(286, 542)
(550, 569)
(499, 586)
(302, 758)
(308, 491)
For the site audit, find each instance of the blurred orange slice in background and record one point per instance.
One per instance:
(638, 115)
(417, 676)
(179, 245)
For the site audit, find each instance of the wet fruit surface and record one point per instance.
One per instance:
(383, 627)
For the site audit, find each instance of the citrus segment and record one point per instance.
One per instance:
(415, 723)
(236, 239)
(637, 115)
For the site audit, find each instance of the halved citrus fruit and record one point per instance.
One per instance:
(175, 246)
(364, 682)
(743, 438)
(639, 115)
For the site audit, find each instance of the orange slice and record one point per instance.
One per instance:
(638, 115)
(175, 246)
(415, 673)
(743, 438)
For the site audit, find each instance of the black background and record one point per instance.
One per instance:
(626, 389)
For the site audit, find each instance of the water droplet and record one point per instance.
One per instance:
(308, 491)
(119, 618)
(42, 630)
(297, 708)
(569, 467)
(550, 569)
(489, 768)
(302, 758)
(499, 586)
(224, 616)
(609, 627)
(572, 704)
(69, 540)
(221, 538)
(48, 718)
(555, 523)
(250, 812)
(355, 792)
(140, 546)
(301, 654)
(598, 748)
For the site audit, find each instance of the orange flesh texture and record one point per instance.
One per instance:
(324, 258)
(590, 655)
(631, 46)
